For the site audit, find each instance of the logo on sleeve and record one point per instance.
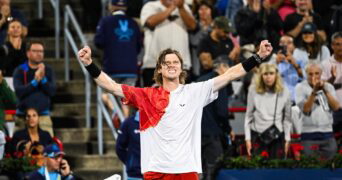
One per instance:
(181, 105)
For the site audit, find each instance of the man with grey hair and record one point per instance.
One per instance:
(332, 72)
(317, 99)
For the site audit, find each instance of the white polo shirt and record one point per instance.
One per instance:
(171, 126)
(167, 34)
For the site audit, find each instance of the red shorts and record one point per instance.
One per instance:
(165, 176)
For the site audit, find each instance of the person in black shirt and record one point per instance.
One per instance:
(217, 44)
(294, 22)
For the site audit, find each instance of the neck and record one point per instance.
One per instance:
(338, 58)
(15, 41)
(33, 130)
(214, 36)
(206, 21)
(33, 65)
(302, 11)
(170, 85)
(49, 169)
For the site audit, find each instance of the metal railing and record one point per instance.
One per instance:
(102, 112)
(69, 18)
(55, 5)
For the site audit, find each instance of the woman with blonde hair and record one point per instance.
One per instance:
(268, 115)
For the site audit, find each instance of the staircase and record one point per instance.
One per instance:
(68, 113)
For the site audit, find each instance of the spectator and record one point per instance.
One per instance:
(289, 68)
(128, 146)
(258, 21)
(294, 22)
(218, 44)
(268, 104)
(9, 13)
(317, 99)
(233, 6)
(32, 133)
(332, 72)
(166, 24)
(55, 167)
(7, 100)
(204, 17)
(34, 84)
(215, 123)
(311, 48)
(13, 52)
(284, 7)
(121, 48)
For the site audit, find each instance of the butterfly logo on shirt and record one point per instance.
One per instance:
(181, 105)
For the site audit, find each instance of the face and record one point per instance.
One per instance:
(54, 163)
(204, 12)
(302, 4)
(4, 2)
(32, 118)
(336, 46)
(36, 53)
(171, 68)
(15, 29)
(269, 78)
(287, 41)
(308, 37)
(221, 34)
(313, 72)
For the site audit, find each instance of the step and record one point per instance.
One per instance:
(72, 86)
(72, 97)
(95, 162)
(75, 109)
(96, 174)
(91, 147)
(82, 135)
(70, 121)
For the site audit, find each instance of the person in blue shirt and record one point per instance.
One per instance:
(119, 36)
(128, 146)
(55, 167)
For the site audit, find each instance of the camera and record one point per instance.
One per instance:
(283, 50)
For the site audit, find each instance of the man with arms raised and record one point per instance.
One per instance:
(170, 115)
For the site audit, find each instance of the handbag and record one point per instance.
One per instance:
(272, 132)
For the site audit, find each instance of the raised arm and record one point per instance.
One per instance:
(101, 78)
(241, 69)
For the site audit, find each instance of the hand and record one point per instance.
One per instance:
(249, 147)
(234, 54)
(265, 49)
(5, 11)
(333, 71)
(232, 135)
(65, 168)
(317, 84)
(85, 55)
(256, 6)
(291, 59)
(179, 3)
(280, 57)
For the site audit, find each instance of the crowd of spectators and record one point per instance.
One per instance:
(298, 90)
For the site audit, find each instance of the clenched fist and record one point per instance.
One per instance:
(85, 55)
